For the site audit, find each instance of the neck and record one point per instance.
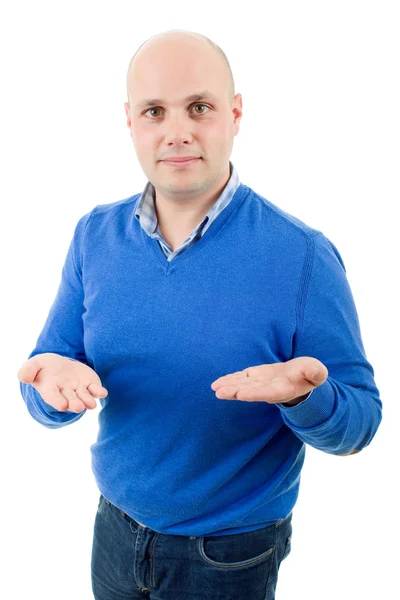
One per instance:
(188, 213)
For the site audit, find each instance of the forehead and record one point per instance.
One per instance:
(176, 77)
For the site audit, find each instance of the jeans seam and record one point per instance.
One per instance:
(236, 565)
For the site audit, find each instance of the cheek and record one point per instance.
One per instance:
(220, 133)
(142, 139)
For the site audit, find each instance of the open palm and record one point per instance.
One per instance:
(273, 383)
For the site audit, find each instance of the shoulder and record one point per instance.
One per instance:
(113, 214)
(118, 205)
(294, 233)
(280, 218)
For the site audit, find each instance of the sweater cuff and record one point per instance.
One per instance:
(313, 410)
(288, 405)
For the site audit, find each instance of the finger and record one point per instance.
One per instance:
(52, 396)
(86, 397)
(274, 391)
(231, 379)
(97, 390)
(271, 393)
(257, 372)
(241, 384)
(74, 403)
(231, 391)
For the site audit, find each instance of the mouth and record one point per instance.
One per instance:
(180, 164)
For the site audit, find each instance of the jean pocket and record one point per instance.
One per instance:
(101, 504)
(236, 551)
(288, 547)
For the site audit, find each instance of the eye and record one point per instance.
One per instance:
(157, 108)
(201, 105)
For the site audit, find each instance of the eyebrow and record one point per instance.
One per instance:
(206, 95)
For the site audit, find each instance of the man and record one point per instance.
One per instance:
(226, 337)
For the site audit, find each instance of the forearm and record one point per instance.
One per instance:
(43, 413)
(337, 418)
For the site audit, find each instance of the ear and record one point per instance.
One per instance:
(128, 113)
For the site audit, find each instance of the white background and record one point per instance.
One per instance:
(319, 137)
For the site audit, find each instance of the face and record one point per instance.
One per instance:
(177, 126)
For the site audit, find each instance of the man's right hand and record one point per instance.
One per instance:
(63, 383)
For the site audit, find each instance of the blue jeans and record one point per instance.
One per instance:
(132, 562)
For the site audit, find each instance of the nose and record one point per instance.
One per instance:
(179, 130)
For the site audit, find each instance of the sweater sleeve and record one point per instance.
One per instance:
(342, 415)
(62, 332)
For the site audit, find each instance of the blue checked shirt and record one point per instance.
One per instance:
(147, 217)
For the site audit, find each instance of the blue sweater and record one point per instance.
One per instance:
(252, 285)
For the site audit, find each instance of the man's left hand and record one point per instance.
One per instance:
(274, 383)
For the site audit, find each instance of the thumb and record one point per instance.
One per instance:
(28, 371)
(317, 374)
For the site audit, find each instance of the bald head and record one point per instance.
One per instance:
(181, 42)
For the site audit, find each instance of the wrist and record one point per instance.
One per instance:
(295, 401)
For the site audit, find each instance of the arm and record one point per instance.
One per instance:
(342, 415)
(62, 332)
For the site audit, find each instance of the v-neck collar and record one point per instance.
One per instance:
(171, 265)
